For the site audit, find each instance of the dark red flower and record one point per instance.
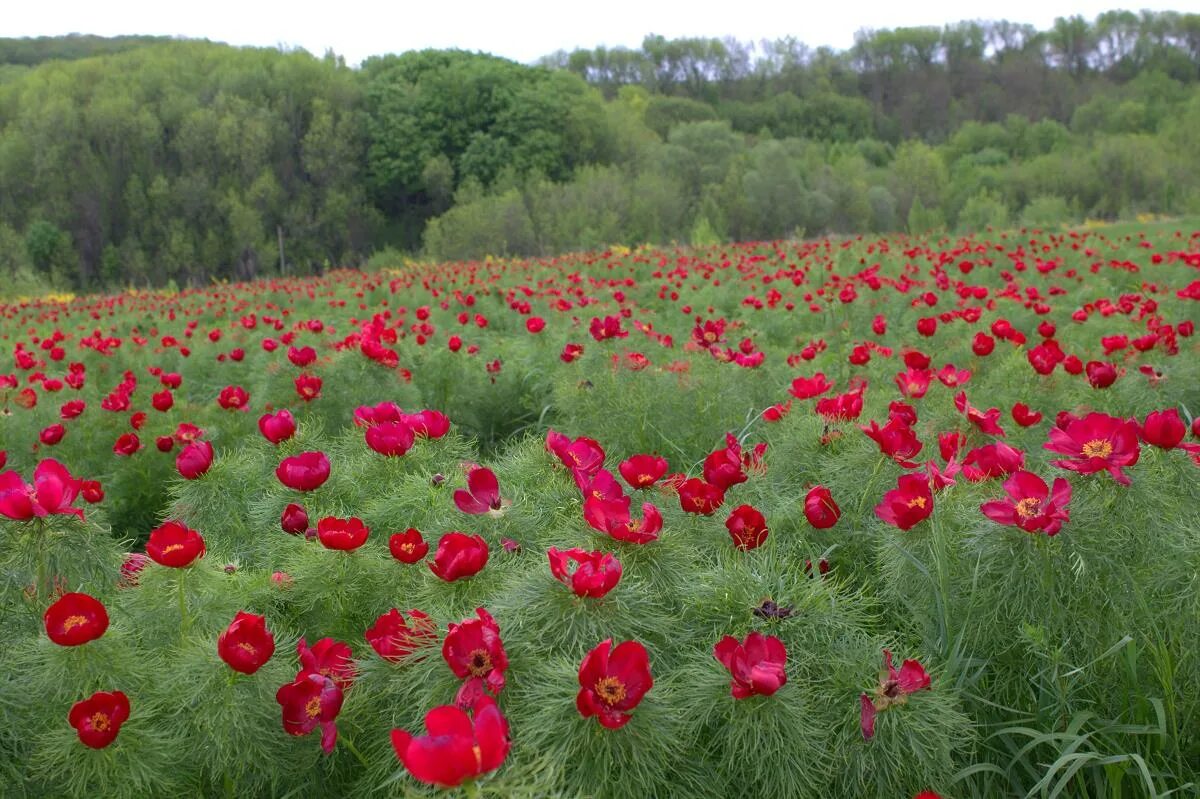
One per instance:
(1163, 429)
(897, 440)
(309, 701)
(52, 434)
(342, 534)
(459, 555)
(1031, 505)
(820, 509)
(98, 718)
(808, 387)
(304, 472)
(277, 427)
(294, 519)
(909, 503)
(756, 664)
(613, 681)
(841, 407)
(301, 356)
(643, 471)
(127, 444)
(456, 749)
(308, 387)
(194, 459)
(428, 424)
(329, 658)
(474, 652)
(392, 439)
(1097, 442)
(698, 496)
(53, 491)
(894, 688)
(91, 491)
(482, 494)
(246, 644)
(409, 546)
(1025, 417)
(164, 443)
(162, 401)
(394, 639)
(612, 516)
(596, 573)
(992, 460)
(988, 422)
(1100, 374)
(233, 398)
(173, 544)
(747, 527)
(75, 619)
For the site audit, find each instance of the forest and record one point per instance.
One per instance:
(143, 161)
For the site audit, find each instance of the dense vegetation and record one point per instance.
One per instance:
(145, 161)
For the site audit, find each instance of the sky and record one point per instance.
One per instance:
(522, 30)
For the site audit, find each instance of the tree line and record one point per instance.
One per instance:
(144, 161)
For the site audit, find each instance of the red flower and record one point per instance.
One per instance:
(808, 387)
(173, 544)
(127, 444)
(75, 619)
(897, 440)
(301, 356)
(894, 688)
(1100, 374)
(756, 664)
(1031, 505)
(459, 555)
(246, 643)
(308, 387)
(842, 407)
(723, 467)
(162, 401)
(1025, 417)
(53, 491)
(409, 546)
(277, 427)
(535, 324)
(474, 652)
(988, 422)
(643, 471)
(455, 748)
(596, 573)
(613, 682)
(52, 434)
(483, 494)
(304, 472)
(98, 718)
(1097, 442)
(992, 460)
(1163, 429)
(233, 398)
(392, 439)
(820, 509)
(427, 423)
(392, 637)
(194, 459)
(913, 383)
(310, 700)
(612, 517)
(698, 496)
(909, 503)
(747, 527)
(294, 519)
(328, 658)
(342, 534)
(91, 491)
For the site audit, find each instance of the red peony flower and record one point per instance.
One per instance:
(596, 573)
(277, 427)
(392, 439)
(894, 688)
(246, 644)
(1097, 442)
(1023, 416)
(747, 527)
(294, 519)
(988, 422)
(301, 356)
(328, 658)
(75, 619)
(756, 664)
(304, 472)
(459, 555)
(394, 639)
(1100, 374)
(909, 503)
(91, 491)
(53, 491)
(409, 546)
(643, 471)
(613, 681)
(808, 387)
(342, 534)
(173, 544)
(482, 494)
(52, 434)
(612, 516)
(233, 398)
(162, 401)
(127, 444)
(309, 701)
(194, 459)
(474, 652)
(897, 440)
(700, 497)
(427, 423)
(1163, 429)
(992, 460)
(456, 748)
(820, 509)
(1031, 504)
(98, 718)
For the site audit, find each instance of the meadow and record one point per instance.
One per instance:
(876, 516)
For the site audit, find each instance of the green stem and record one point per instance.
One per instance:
(353, 749)
(184, 620)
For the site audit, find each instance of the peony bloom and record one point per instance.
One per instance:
(246, 644)
(52, 434)
(393, 638)
(482, 494)
(988, 422)
(841, 407)
(1025, 417)
(301, 356)
(613, 681)
(643, 471)
(391, 439)
(1163, 429)
(75, 619)
(456, 748)
(459, 555)
(98, 718)
(808, 387)
(612, 516)
(1031, 504)
(294, 519)
(596, 573)
(328, 658)
(309, 701)
(756, 664)
(894, 688)
(194, 459)
(127, 444)
(723, 467)
(896, 440)
(820, 509)
(474, 652)
(747, 527)
(409, 546)
(427, 424)
(342, 534)
(700, 497)
(1100, 374)
(908, 504)
(992, 460)
(53, 491)
(277, 427)
(233, 398)
(172, 544)
(1096, 443)
(304, 472)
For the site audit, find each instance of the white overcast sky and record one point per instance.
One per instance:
(522, 30)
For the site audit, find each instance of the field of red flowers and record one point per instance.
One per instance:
(860, 518)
